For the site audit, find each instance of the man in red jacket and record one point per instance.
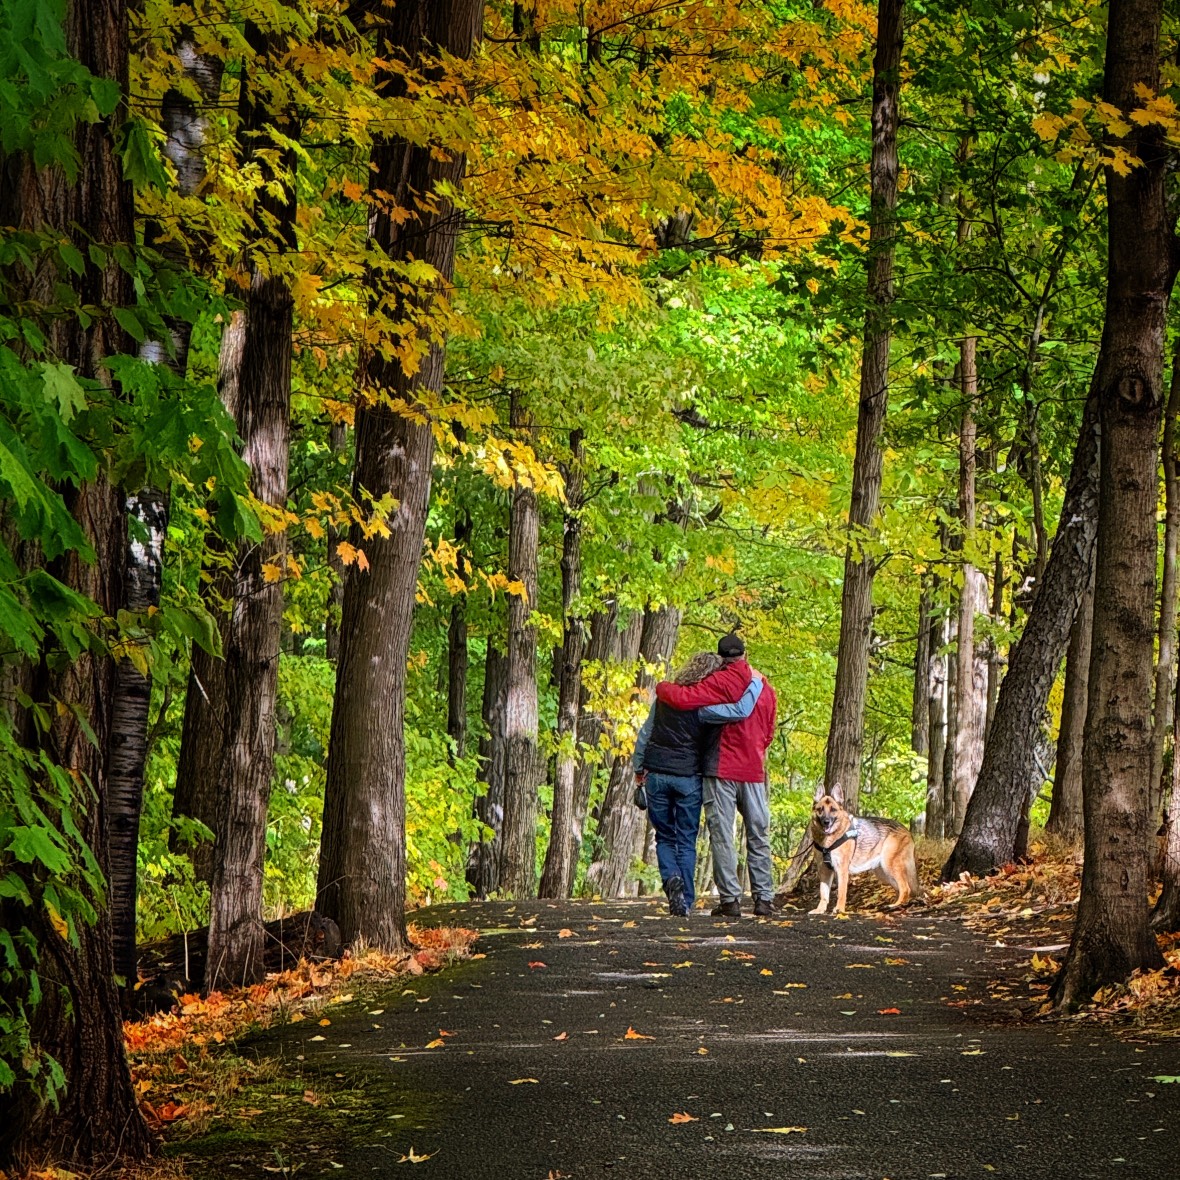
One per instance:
(735, 781)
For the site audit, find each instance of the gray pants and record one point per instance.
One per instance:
(722, 798)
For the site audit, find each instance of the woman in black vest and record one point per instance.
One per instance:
(672, 748)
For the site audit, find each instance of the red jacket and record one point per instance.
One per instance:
(741, 754)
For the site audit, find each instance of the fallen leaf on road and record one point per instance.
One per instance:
(896, 962)
(523, 1081)
(415, 1158)
(766, 971)
(786, 985)
(888, 1011)
(682, 1116)
(702, 1051)
(317, 1038)
(853, 966)
(442, 1032)
(686, 963)
(778, 1130)
(437, 1043)
(632, 1035)
(628, 925)
(899, 1053)
(325, 1022)
(565, 933)
(536, 963)
(563, 1036)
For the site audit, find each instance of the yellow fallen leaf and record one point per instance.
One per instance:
(522, 1081)
(686, 963)
(853, 966)
(778, 1130)
(415, 1158)
(296, 1017)
(766, 971)
(702, 1052)
(437, 1043)
(325, 1022)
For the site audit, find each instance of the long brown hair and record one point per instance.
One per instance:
(703, 664)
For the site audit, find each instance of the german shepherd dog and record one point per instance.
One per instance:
(847, 844)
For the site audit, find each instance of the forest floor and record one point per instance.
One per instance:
(608, 1039)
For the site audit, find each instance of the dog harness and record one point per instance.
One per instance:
(826, 852)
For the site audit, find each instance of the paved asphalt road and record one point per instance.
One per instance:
(770, 1035)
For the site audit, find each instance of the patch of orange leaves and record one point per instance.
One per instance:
(168, 1048)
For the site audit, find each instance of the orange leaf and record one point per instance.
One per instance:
(888, 1011)
(536, 963)
(632, 1035)
(682, 1116)
(562, 1036)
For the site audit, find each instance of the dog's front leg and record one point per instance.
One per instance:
(842, 889)
(825, 889)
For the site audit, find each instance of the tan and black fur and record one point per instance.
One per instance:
(881, 846)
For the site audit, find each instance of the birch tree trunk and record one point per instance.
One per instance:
(971, 667)
(1111, 938)
(362, 871)
(565, 829)
(846, 733)
(186, 127)
(621, 824)
(524, 770)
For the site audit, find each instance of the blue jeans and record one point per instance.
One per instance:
(674, 808)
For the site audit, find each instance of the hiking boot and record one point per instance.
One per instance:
(763, 908)
(728, 909)
(677, 902)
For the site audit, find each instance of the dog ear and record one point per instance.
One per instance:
(837, 792)
(820, 792)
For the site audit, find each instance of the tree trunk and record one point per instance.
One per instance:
(621, 823)
(253, 634)
(202, 732)
(936, 693)
(363, 852)
(994, 660)
(524, 769)
(338, 444)
(846, 733)
(186, 127)
(457, 646)
(77, 1019)
(988, 838)
(970, 667)
(127, 746)
(565, 829)
(1065, 810)
(920, 714)
(1111, 937)
(1165, 917)
(1165, 669)
(483, 865)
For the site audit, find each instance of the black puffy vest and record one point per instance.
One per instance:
(680, 742)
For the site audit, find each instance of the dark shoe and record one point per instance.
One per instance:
(763, 908)
(677, 902)
(728, 909)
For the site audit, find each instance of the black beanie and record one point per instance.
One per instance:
(731, 646)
